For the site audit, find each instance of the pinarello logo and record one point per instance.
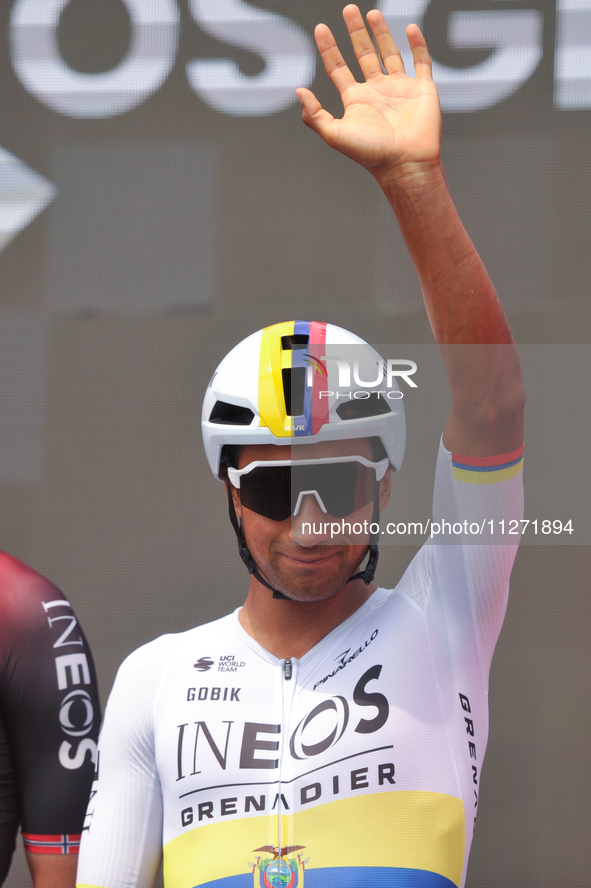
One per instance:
(203, 664)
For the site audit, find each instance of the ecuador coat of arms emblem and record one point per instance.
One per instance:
(282, 868)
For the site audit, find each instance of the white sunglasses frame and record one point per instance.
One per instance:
(380, 468)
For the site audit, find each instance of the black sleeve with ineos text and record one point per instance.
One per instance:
(49, 716)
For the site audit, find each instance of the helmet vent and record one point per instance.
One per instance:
(293, 342)
(361, 408)
(294, 381)
(230, 414)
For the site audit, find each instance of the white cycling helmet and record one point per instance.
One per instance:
(301, 382)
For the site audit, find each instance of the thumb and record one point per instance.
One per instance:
(313, 114)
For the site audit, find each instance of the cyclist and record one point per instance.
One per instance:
(331, 731)
(49, 723)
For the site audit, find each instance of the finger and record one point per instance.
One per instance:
(313, 114)
(389, 52)
(420, 53)
(365, 51)
(334, 63)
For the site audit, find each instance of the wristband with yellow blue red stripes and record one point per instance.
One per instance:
(487, 469)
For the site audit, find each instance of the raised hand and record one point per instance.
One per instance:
(391, 121)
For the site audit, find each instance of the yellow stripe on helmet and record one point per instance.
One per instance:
(273, 359)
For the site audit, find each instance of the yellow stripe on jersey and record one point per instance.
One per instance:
(473, 477)
(273, 359)
(487, 469)
(216, 850)
(417, 830)
(414, 830)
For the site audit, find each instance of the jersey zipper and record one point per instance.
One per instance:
(288, 674)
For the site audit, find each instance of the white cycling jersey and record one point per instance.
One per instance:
(357, 765)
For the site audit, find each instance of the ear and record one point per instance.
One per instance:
(235, 494)
(385, 489)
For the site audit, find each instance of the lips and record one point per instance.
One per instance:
(309, 562)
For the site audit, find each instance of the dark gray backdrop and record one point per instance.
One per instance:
(181, 215)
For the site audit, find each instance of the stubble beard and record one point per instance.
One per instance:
(309, 586)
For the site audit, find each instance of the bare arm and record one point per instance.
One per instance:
(52, 870)
(392, 126)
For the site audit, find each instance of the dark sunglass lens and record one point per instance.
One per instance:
(366, 487)
(273, 491)
(343, 487)
(266, 491)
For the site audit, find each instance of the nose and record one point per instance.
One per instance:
(308, 526)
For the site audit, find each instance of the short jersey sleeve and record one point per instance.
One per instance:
(49, 713)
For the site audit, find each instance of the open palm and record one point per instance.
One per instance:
(391, 119)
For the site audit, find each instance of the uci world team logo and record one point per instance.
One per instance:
(281, 870)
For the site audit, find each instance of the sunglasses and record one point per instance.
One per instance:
(341, 485)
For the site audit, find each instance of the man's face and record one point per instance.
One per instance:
(304, 565)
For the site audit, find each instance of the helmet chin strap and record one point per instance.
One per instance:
(366, 575)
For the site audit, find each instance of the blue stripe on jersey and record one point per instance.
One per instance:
(497, 468)
(351, 877)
